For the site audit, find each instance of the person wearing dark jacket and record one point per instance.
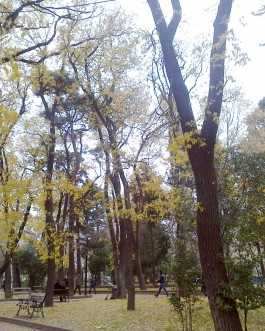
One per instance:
(59, 286)
(78, 282)
(92, 285)
(162, 285)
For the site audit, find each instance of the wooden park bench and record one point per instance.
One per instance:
(22, 291)
(35, 302)
(62, 292)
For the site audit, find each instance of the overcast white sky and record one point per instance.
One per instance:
(198, 16)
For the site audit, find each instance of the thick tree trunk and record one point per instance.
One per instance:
(8, 291)
(201, 152)
(50, 282)
(209, 240)
(129, 243)
(16, 275)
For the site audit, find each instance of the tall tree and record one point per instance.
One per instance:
(200, 146)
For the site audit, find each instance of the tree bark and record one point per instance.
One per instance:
(151, 233)
(138, 200)
(71, 269)
(8, 292)
(200, 147)
(50, 229)
(262, 267)
(113, 237)
(16, 275)
(138, 260)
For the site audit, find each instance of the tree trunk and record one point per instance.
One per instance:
(50, 229)
(200, 147)
(138, 260)
(121, 288)
(138, 200)
(153, 275)
(12, 245)
(111, 228)
(71, 268)
(210, 244)
(129, 238)
(262, 267)
(16, 275)
(60, 227)
(50, 235)
(8, 292)
(129, 277)
(181, 260)
(78, 255)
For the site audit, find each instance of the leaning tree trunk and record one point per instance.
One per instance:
(200, 147)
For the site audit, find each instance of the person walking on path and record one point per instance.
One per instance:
(78, 282)
(92, 285)
(162, 285)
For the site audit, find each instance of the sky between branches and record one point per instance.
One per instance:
(198, 16)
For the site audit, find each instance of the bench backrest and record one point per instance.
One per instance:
(61, 290)
(38, 297)
(21, 290)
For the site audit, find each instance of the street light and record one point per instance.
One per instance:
(86, 267)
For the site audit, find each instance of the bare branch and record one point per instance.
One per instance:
(216, 86)
(10, 21)
(38, 45)
(176, 18)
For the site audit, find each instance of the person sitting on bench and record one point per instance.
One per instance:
(59, 286)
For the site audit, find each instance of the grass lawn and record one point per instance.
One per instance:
(151, 314)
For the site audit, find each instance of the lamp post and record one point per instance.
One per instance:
(86, 275)
(86, 267)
